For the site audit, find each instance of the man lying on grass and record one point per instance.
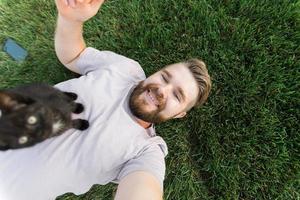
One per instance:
(121, 105)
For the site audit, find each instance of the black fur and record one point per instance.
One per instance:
(29, 112)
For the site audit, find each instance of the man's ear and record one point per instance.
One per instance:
(180, 115)
(11, 101)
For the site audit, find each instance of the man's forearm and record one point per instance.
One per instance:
(69, 42)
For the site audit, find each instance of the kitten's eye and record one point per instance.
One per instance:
(23, 140)
(32, 120)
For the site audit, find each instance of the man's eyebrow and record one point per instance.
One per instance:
(168, 73)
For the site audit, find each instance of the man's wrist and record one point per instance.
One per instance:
(69, 22)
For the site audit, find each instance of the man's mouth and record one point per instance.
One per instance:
(152, 97)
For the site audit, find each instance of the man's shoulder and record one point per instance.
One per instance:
(157, 143)
(92, 59)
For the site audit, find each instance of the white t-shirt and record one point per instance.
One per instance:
(113, 146)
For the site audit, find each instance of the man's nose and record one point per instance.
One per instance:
(165, 90)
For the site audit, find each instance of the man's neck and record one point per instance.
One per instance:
(143, 123)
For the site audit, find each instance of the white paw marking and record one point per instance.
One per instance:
(57, 126)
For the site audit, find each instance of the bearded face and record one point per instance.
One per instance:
(168, 93)
(146, 103)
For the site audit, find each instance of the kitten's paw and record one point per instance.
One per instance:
(80, 124)
(71, 95)
(78, 108)
(4, 148)
(84, 125)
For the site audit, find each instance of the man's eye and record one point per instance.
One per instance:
(164, 78)
(176, 96)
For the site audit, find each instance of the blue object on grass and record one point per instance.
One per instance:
(14, 50)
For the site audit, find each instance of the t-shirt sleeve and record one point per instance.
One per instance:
(151, 160)
(92, 59)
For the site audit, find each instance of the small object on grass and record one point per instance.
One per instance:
(14, 50)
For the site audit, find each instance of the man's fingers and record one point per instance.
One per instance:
(76, 3)
(62, 4)
(84, 1)
(72, 3)
(96, 2)
(66, 2)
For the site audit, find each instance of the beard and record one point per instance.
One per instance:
(138, 105)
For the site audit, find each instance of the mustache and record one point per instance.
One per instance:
(154, 89)
(137, 103)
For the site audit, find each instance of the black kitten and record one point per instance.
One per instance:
(32, 113)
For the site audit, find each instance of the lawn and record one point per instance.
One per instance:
(244, 143)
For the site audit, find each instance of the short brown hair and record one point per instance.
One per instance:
(200, 73)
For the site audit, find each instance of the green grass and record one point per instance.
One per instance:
(245, 142)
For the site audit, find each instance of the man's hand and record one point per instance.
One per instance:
(69, 42)
(78, 10)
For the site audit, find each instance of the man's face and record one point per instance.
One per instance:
(166, 94)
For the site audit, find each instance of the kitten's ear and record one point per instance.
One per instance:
(12, 101)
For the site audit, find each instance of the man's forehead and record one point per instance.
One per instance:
(174, 66)
(177, 70)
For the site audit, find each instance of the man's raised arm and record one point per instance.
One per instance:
(69, 42)
(139, 185)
